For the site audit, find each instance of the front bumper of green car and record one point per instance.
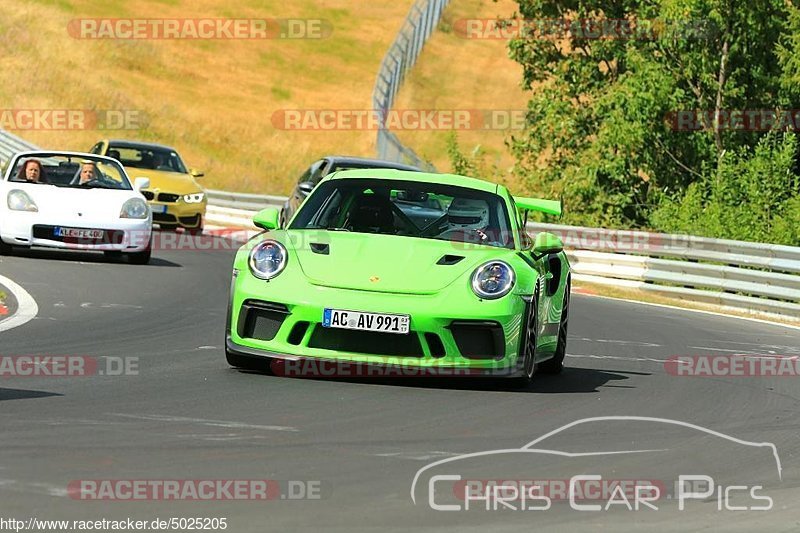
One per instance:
(447, 335)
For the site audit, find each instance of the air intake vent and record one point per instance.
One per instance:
(319, 248)
(449, 259)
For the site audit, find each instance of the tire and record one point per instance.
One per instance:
(246, 362)
(528, 348)
(556, 364)
(5, 249)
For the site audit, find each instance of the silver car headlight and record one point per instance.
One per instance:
(19, 200)
(493, 280)
(267, 259)
(134, 208)
(193, 198)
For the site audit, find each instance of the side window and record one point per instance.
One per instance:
(97, 148)
(305, 176)
(319, 170)
(526, 243)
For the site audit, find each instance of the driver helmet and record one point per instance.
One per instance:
(466, 213)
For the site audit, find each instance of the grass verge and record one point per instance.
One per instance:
(595, 289)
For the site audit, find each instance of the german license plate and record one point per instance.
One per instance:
(387, 323)
(158, 208)
(78, 233)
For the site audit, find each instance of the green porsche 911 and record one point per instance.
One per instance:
(432, 272)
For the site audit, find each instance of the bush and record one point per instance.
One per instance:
(753, 195)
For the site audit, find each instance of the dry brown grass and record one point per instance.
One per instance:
(213, 100)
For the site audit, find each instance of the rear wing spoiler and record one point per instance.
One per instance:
(551, 207)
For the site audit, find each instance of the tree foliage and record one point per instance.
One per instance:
(601, 125)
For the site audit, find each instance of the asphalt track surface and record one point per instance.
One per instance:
(187, 415)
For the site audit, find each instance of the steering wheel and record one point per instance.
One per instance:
(447, 234)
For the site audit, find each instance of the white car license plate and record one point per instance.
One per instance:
(78, 233)
(340, 318)
(158, 208)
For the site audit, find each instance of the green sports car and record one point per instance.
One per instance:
(388, 268)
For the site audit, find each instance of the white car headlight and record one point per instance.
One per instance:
(493, 280)
(193, 198)
(267, 259)
(20, 201)
(134, 208)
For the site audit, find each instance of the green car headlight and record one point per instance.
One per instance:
(20, 201)
(134, 208)
(267, 259)
(493, 280)
(193, 198)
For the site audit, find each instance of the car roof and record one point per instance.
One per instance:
(123, 143)
(381, 163)
(422, 177)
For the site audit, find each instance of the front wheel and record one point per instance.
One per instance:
(556, 364)
(5, 249)
(528, 348)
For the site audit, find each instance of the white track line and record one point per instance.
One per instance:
(26, 306)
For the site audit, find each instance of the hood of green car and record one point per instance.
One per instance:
(384, 263)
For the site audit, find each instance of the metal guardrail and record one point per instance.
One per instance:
(420, 23)
(11, 144)
(250, 202)
(744, 276)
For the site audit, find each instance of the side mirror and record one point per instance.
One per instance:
(547, 243)
(306, 187)
(196, 173)
(267, 218)
(141, 183)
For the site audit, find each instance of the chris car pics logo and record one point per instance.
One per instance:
(451, 485)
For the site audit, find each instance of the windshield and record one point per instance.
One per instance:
(147, 158)
(408, 208)
(70, 171)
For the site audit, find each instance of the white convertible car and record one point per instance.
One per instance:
(74, 200)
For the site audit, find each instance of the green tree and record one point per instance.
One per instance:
(602, 117)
